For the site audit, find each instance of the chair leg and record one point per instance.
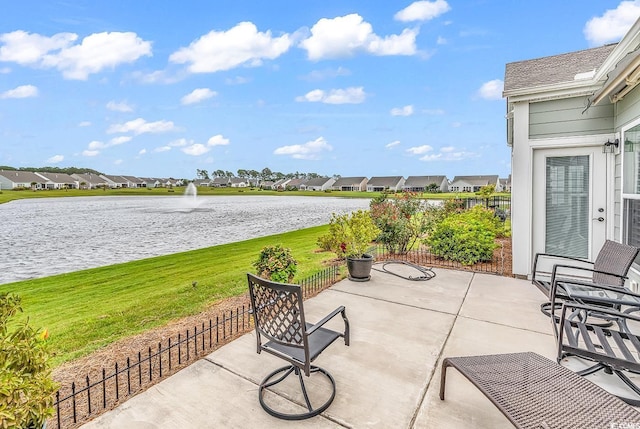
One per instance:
(631, 385)
(286, 371)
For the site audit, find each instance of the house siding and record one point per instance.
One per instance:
(565, 117)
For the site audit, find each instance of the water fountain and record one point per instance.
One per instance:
(190, 198)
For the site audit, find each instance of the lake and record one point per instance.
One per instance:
(47, 236)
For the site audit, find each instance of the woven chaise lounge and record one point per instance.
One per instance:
(535, 392)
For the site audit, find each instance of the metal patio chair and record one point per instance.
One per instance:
(279, 317)
(609, 268)
(614, 348)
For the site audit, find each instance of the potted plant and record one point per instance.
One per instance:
(26, 386)
(276, 263)
(350, 236)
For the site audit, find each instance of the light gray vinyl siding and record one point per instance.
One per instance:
(565, 117)
(628, 109)
(617, 197)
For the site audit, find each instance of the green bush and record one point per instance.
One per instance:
(276, 263)
(26, 387)
(349, 234)
(467, 237)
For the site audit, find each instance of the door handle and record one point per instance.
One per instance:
(599, 219)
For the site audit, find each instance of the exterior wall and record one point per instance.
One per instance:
(521, 181)
(565, 117)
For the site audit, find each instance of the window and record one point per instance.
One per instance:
(631, 188)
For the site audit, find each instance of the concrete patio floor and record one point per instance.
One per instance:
(389, 377)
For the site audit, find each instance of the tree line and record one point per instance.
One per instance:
(264, 174)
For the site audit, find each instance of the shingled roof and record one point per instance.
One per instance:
(554, 69)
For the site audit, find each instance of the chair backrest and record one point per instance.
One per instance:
(278, 312)
(614, 258)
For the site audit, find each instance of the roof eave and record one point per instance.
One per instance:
(554, 91)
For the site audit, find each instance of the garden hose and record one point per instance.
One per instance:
(426, 273)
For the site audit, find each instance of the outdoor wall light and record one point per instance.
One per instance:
(610, 146)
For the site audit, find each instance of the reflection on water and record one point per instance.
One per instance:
(57, 235)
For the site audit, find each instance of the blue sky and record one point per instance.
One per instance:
(357, 88)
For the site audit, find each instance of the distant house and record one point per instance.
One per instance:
(114, 181)
(266, 184)
(318, 184)
(388, 183)
(14, 179)
(134, 182)
(202, 182)
(295, 183)
(219, 182)
(88, 180)
(473, 183)
(151, 182)
(350, 184)
(238, 182)
(58, 180)
(505, 184)
(280, 184)
(423, 183)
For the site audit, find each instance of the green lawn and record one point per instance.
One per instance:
(88, 309)
(6, 196)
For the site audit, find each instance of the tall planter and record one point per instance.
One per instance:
(360, 268)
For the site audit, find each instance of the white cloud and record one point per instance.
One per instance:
(118, 161)
(5, 70)
(224, 50)
(180, 142)
(84, 124)
(423, 11)
(90, 152)
(402, 111)
(238, 80)
(198, 95)
(119, 140)
(434, 111)
(491, 90)
(441, 41)
(418, 150)
(446, 153)
(347, 35)
(196, 149)
(93, 54)
(141, 126)
(350, 95)
(311, 150)
(55, 159)
(217, 140)
(142, 152)
(162, 149)
(613, 25)
(123, 106)
(95, 145)
(22, 91)
(456, 124)
(392, 144)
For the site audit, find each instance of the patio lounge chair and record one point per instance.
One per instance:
(279, 317)
(609, 268)
(535, 392)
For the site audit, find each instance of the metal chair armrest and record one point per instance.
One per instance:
(551, 255)
(340, 310)
(559, 267)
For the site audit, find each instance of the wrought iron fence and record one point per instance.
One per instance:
(499, 203)
(81, 401)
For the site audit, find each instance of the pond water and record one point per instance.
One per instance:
(49, 236)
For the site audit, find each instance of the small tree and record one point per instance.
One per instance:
(350, 234)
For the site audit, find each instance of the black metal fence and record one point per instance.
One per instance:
(501, 204)
(82, 401)
(424, 258)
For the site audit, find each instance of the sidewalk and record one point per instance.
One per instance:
(387, 378)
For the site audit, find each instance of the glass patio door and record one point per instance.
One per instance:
(569, 201)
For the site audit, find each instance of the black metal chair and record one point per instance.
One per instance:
(609, 268)
(278, 314)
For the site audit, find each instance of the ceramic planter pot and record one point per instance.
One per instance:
(360, 268)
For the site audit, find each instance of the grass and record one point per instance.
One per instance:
(88, 309)
(6, 196)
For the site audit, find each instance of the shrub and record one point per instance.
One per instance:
(26, 387)
(276, 263)
(467, 237)
(401, 220)
(350, 235)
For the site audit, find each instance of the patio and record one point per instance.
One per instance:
(389, 375)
